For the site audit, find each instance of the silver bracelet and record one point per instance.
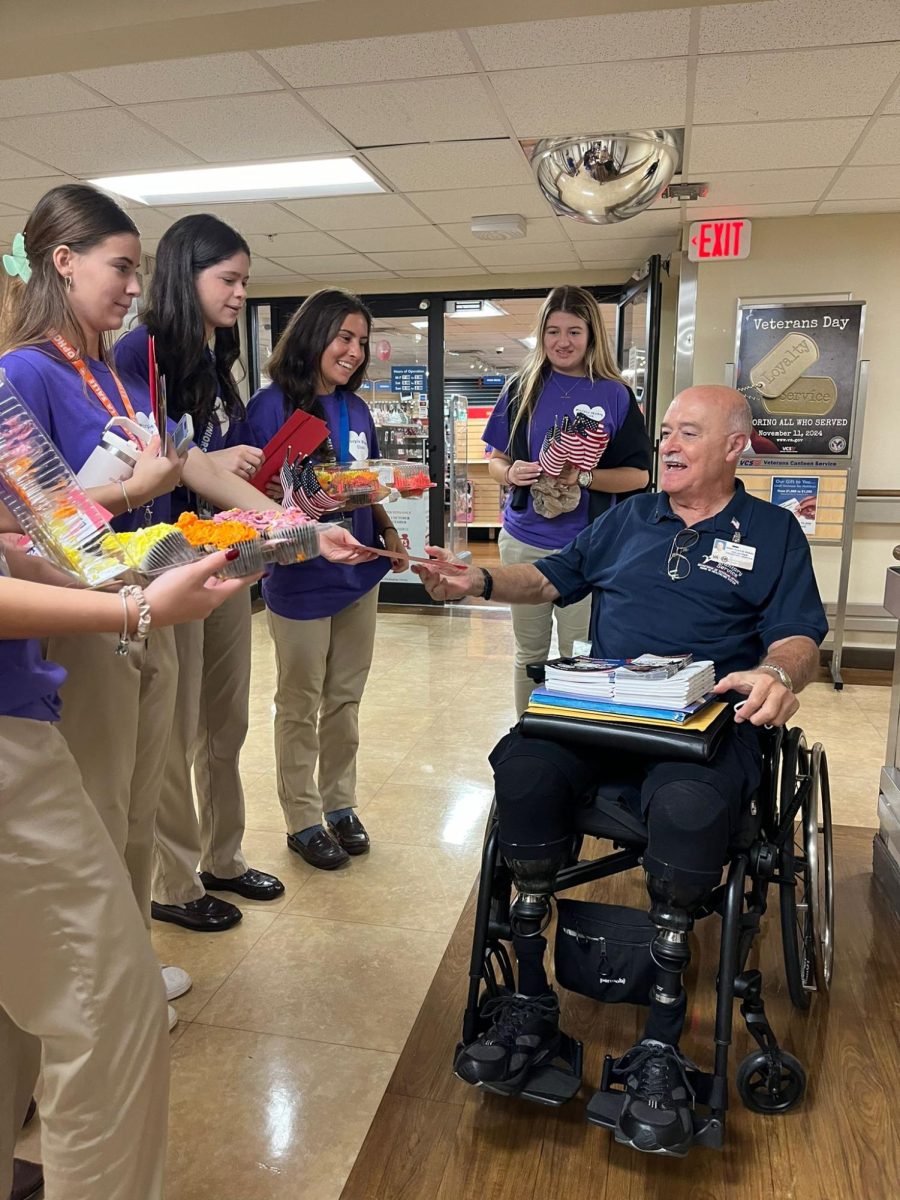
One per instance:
(125, 496)
(144, 618)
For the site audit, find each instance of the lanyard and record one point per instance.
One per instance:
(343, 431)
(71, 355)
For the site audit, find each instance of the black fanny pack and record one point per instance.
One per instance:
(603, 951)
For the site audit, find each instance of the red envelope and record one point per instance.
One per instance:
(302, 433)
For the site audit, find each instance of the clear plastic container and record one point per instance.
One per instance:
(354, 485)
(38, 487)
(407, 478)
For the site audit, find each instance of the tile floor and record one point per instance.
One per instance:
(296, 1018)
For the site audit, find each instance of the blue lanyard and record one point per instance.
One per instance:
(343, 430)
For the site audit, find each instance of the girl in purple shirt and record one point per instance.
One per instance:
(194, 300)
(570, 371)
(321, 615)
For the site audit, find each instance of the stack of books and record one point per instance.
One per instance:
(663, 685)
(651, 688)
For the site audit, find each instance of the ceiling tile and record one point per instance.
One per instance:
(461, 204)
(181, 78)
(891, 205)
(356, 212)
(150, 222)
(436, 167)
(409, 237)
(251, 216)
(317, 263)
(612, 38)
(648, 224)
(564, 270)
(509, 253)
(546, 102)
(544, 229)
(44, 94)
(248, 128)
(793, 83)
(96, 142)
(862, 183)
(705, 211)
(14, 165)
(768, 187)
(411, 57)
(368, 273)
(264, 268)
(293, 245)
(881, 145)
(10, 226)
(799, 23)
(25, 193)
(770, 145)
(638, 248)
(419, 110)
(448, 271)
(625, 265)
(399, 260)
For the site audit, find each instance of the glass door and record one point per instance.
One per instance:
(637, 339)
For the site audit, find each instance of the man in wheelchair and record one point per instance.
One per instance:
(704, 567)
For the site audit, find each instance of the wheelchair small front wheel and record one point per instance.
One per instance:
(771, 1082)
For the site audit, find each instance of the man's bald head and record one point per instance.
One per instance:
(723, 402)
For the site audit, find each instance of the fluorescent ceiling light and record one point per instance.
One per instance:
(419, 324)
(474, 308)
(255, 181)
(528, 342)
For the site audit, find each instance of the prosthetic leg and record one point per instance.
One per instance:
(519, 1028)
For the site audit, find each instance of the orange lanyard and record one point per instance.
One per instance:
(71, 355)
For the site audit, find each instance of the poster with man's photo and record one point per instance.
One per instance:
(796, 364)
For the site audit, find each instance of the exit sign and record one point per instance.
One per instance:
(709, 240)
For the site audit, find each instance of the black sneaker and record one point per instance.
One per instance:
(656, 1114)
(524, 1033)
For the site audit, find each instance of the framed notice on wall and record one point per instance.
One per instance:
(796, 362)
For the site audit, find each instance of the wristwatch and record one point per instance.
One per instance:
(779, 673)
(585, 478)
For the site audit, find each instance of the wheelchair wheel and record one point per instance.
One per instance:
(807, 908)
(770, 1082)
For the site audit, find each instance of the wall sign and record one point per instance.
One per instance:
(725, 239)
(796, 364)
(408, 379)
(799, 494)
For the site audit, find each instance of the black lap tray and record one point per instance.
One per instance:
(648, 741)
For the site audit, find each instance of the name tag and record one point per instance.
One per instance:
(733, 554)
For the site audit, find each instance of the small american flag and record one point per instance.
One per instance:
(302, 490)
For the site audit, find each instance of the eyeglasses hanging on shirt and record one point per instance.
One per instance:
(678, 565)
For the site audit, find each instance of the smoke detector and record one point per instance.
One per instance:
(501, 228)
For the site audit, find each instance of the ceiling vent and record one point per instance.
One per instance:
(686, 191)
(502, 228)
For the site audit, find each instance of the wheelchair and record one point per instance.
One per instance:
(785, 842)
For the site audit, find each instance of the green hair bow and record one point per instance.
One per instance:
(17, 263)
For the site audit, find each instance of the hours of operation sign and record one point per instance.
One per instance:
(796, 364)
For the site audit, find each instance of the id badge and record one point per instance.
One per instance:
(733, 554)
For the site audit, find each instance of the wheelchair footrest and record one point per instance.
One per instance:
(606, 1103)
(553, 1083)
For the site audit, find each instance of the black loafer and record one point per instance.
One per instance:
(206, 915)
(321, 851)
(351, 833)
(28, 1180)
(252, 885)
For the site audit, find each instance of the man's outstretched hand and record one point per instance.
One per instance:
(768, 701)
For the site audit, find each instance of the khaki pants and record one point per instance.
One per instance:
(322, 669)
(533, 623)
(210, 725)
(78, 977)
(116, 719)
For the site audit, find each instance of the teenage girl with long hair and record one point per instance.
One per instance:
(322, 616)
(194, 300)
(571, 370)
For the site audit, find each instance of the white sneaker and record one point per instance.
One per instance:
(173, 1017)
(177, 982)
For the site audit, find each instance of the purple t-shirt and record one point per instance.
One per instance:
(561, 396)
(320, 588)
(131, 359)
(71, 414)
(28, 686)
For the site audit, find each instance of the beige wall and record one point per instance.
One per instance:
(815, 255)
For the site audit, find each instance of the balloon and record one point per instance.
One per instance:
(383, 350)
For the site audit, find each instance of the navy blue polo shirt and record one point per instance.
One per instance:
(716, 611)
